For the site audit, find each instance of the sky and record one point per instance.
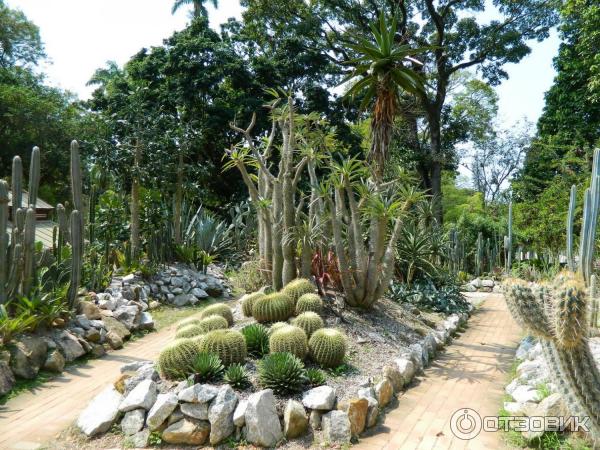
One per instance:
(82, 35)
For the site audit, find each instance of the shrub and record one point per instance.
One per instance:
(289, 339)
(327, 347)
(249, 278)
(228, 345)
(315, 377)
(298, 287)
(188, 321)
(309, 302)
(424, 295)
(236, 376)
(248, 301)
(213, 322)
(282, 372)
(206, 367)
(175, 359)
(273, 308)
(218, 309)
(257, 339)
(309, 322)
(189, 331)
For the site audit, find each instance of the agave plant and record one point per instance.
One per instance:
(206, 367)
(206, 233)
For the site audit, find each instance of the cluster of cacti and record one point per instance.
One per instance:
(309, 302)
(175, 360)
(248, 302)
(228, 345)
(298, 287)
(290, 339)
(273, 308)
(257, 339)
(557, 315)
(213, 322)
(327, 347)
(282, 372)
(309, 322)
(276, 326)
(456, 252)
(218, 309)
(189, 331)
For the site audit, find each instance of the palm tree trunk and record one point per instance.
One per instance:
(135, 202)
(178, 200)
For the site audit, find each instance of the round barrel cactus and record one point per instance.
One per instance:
(248, 301)
(298, 287)
(289, 339)
(214, 322)
(175, 360)
(189, 331)
(273, 308)
(309, 302)
(309, 322)
(219, 309)
(327, 347)
(228, 345)
(188, 321)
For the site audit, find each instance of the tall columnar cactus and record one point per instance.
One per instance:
(508, 242)
(76, 255)
(4, 264)
(479, 255)
(17, 183)
(591, 207)
(570, 221)
(557, 315)
(29, 252)
(34, 176)
(594, 307)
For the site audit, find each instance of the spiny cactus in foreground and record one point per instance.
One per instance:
(188, 321)
(273, 308)
(219, 309)
(309, 302)
(289, 339)
(189, 331)
(276, 326)
(298, 287)
(176, 358)
(557, 315)
(214, 322)
(327, 347)
(309, 322)
(248, 301)
(228, 345)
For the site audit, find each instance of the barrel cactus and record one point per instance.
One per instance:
(289, 339)
(327, 347)
(175, 360)
(309, 302)
(189, 331)
(214, 322)
(228, 345)
(248, 301)
(219, 309)
(273, 308)
(276, 326)
(309, 322)
(188, 321)
(297, 288)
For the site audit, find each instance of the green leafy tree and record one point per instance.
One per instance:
(199, 8)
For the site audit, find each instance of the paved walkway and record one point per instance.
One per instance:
(470, 373)
(35, 417)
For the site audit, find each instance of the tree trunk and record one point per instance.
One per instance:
(135, 203)
(178, 200)
(436, 162)
(277, 236)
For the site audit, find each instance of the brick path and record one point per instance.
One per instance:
(470, 373)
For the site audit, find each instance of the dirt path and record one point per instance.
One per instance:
(35, 417)
(471, 373)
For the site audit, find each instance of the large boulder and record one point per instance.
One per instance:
(27, 356)
(262, 422)
(195, 410)
(90, 310)
(384, 391)
(406, 368)
(198, 393)
(393, 375)
(142, 396)
(163, 407)
(133, 421)
(128, 316)
(220, 414)
(68, 345)
(295, 420)
(186, 432)
(7, 378)
(336, 427)
(112, 324)
(321, 398)
(523, 394)
(55, 361)
(101, 413)
(357, 410)
(239, 415)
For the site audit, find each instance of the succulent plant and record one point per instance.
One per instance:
(189, 331)
(214, 322)
(309, 302)
(289, 339)
(315, 377)
(236, 376)
(327, 347)
(273, 308)
(176, 358)
(218, 309)
(206, 368)
(188, 321)
(257, 339)
(248, 301)
(229, 345)
(309, 322)
(282, 372)
(298, 287)
(276, 326)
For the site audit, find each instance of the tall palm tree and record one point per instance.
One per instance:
(199, 9)
(381, 66)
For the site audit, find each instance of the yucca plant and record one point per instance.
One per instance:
(206, 368)
(236, 376)
(257, 339)
(282, 372)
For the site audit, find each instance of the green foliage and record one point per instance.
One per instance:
(273, 307)
(207, 234)
(249, 277)
(229, 345)
(13, 325)
(282, 372)
(315, 377)
(176, 358)
(426, 296)
(309, 322)
(257, 339)
(309, 302)
(298, 287)
(218, 309)
(248, 302)
(206, 368)
(327, 347)
(289, 339)
(236, 376)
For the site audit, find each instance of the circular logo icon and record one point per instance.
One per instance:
(465, 424)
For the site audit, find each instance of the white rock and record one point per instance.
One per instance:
(510, 388)
(133, 421)
(512, 407)
(142, 396)
(198, 393)
(101, 413)
(262, 422)
(336, 427)
(487, 283)
(195, 410)
(321, 398)
(476, 283)
(523, 394)
(163, 407)
(406, 368)
(220, 414)
(239, 415)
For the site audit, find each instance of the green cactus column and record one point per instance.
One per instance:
(570, 221)
(76, 225)
(3, 240)
(509, 240)
(17, 183)
(34, 176)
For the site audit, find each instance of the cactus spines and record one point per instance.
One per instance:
(188, 321)
(77, 255)
(327, 347)
(17, 183)
(228, 345)
(309, 302)
(594, 303)
(3, 240)
(213, 322)
(218, 309)
(29, 252)
(479, 255)
(34, 176)
(248, 301)
(570, 311)
(76, 178)
(189, 331)
(570, 221)
(273, 308)
(276, 326)
(175, 359)
(309, 321)
(298, 287)
(290, 339)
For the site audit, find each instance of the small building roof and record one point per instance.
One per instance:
(43, 232)
(41, 204)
